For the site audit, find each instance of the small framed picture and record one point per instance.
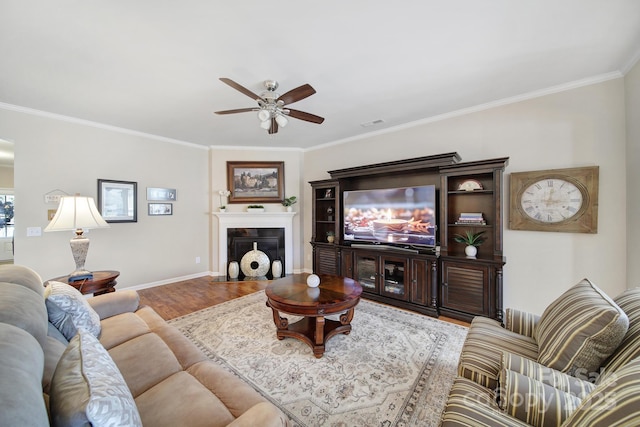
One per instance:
(160, 194)
(118, 200)
(156, 209)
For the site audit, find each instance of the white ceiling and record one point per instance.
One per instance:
(152, 66)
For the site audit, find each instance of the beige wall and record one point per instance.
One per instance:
(579, 127)
(56, 155)
(632, 91)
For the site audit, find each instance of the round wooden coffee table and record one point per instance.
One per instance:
(334, 295)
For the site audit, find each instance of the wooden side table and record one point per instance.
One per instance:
(103, 282)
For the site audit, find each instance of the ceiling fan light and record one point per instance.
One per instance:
(265, 124)
(263, 115)
(281, 120)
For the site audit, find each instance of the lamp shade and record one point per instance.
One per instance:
(76, 212)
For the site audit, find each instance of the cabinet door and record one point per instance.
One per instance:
(421, 282)
(394, 277)
(365, 271)
(347, 263)
(325, 260)
(465, 288)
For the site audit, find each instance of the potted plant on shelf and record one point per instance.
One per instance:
(472, 240)
(288, 202)
(331, 236)
(255, 208)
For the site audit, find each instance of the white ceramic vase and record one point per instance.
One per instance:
(234, 269)
(276, 269)
(471, 251)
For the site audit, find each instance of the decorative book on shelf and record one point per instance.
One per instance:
(471, 218)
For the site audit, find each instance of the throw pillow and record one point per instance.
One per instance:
(60, 319)
(629, 349)
(534, 402)
(88, 389)
(579, 330)
(579, 387)
(74, 303)
(614, 403)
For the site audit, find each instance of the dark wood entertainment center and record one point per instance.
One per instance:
(420, 279)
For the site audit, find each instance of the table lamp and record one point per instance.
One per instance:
(77, 213)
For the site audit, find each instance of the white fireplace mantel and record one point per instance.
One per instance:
(228, 220)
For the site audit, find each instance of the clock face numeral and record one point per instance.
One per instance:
(551, 200)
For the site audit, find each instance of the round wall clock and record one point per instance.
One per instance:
(555, 200)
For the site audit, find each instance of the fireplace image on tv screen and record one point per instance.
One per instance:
(401, 216)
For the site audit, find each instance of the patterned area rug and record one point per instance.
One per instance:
(395, 368)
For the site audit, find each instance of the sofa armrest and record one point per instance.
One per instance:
(521, 322)
(114, 303)
(262, 414)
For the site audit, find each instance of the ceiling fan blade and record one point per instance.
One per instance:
(308, 117)
(274, 126)
(238, 110)
(239, 88)
(294, 95)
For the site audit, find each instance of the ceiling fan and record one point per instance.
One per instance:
(271, 105)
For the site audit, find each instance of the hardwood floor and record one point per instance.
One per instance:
(181, 298)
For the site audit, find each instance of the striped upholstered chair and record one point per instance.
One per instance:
(588, 374)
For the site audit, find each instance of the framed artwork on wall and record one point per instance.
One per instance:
(254, 182)
(156, 209)
(161, 194)
(118, 200)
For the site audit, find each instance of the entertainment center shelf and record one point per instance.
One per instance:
(410, 275)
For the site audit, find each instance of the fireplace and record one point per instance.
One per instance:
(256, 222)
(268, 240)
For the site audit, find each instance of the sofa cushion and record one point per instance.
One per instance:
(486, 341)
(614, 403)
(20, 376)
(60, 319)
(71, 301)
(23, 276)
(470, 404)
(25, 309)
(629, 348)
(579, 330)
(88, 388)
(533, 401)
(196, 406)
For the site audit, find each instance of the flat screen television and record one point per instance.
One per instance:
(399, 216)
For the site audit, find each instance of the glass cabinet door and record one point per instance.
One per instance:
(395, 283)
(366, 272)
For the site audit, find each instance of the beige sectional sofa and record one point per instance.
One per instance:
(137, 370)
(578, 364)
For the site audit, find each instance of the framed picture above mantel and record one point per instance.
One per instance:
(253, 182)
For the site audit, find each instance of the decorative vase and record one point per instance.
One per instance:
(276, 269)
(313, 281)
(331, 238)
(255, 210)
(255, 263)
(234, 269)
(223, 209)
(471, 251)
(289, 208)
